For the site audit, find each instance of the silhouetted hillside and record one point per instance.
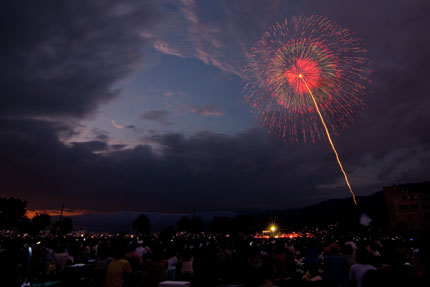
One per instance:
(342, 211)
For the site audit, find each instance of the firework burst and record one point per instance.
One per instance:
(295, 57)
(306, 78)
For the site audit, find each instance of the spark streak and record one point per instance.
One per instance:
(329, 138)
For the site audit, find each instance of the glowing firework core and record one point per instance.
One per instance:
(303, 68)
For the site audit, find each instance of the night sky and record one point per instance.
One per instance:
(138, 105)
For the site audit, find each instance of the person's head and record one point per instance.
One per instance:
(117, 251)
(363, 256)
(187, 254)
(157, 255)
(130, 248)
(171, 252)
(101, 251)
(59, 248)
(312, 243)
(279, 247)
(373, 246)
(347, 250)
(333, 249)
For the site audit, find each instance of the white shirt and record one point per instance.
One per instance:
(172, 262)
(357, 272)
(140, 251)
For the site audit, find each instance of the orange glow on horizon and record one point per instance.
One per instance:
(54, 212)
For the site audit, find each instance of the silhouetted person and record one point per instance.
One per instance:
(118, 268)
(359, 270)
(336, 269)
(155, 271)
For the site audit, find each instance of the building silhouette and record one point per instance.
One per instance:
(408, 205)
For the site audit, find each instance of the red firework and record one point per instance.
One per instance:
(302, 56)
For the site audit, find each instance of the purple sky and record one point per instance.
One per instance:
(138, 105)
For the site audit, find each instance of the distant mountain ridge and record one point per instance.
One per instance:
(342, 211)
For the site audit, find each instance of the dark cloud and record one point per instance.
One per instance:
(102, 137)
(62, 58)
(90, 146)
(160, 116)
(134, 128)
(118, 146)
(213, 171)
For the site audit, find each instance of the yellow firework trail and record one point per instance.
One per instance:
(329, 138)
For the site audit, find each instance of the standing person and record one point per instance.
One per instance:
(290, 259)
(133, 258)
(187, 265)
(61, 258)
(140, 250)
(312, 260)
(117, 269)
(155, 271)
(359, 270)
(347, 253)
(336, 268)
(353, 246)
(280, 259)
(172, 264)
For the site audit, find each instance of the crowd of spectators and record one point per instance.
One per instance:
(214, 260)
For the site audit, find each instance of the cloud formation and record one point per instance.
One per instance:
(159, 116)
(205, 169)
(208, 110)
(219, 33)
(61, 59)
(249, 171)
(164, 48)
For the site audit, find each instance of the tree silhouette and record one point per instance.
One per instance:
(183, 224)
(35, 225)
(24, 226)
(196, 224)
(12, 212)
(40, 222)
(142, 224)
(167, 233)
(244, 224)
(64, 226)
(220, 224)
